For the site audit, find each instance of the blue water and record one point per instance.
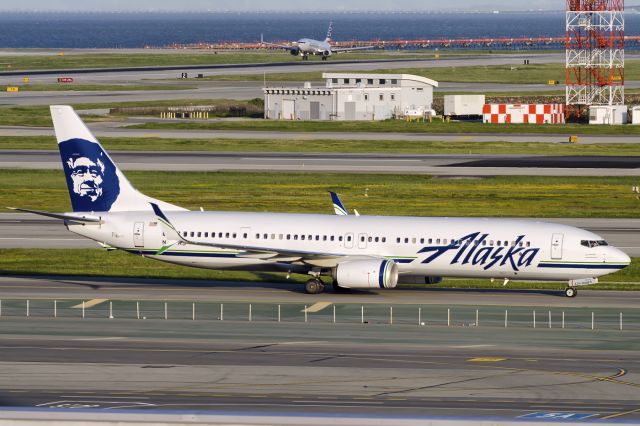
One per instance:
(160, 29)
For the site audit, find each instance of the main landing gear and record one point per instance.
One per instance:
(324, 58)
(571, 292)
(314, 286)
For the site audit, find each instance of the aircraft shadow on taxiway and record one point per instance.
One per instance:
(103, 283)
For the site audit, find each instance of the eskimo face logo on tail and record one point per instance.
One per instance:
(91, 176)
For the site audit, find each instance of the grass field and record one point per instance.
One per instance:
(39, 116)
(394, 195)
(120, 264)
(124, 60)
(176, 57)
(395, 126)
(337, 146)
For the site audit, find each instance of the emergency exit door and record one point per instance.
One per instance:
(556, 246)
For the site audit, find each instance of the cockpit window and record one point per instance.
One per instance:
(593, 243)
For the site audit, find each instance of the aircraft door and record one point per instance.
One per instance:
(556, 246)
(138, 234)
(348, 240)
(362, 241)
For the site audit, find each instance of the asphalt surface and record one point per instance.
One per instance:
(119, 130)
(439, 165)
(347, 370)
(86, 288)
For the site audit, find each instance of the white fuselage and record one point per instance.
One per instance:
(449, 247)
(308, 46)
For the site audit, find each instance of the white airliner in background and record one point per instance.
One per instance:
(358, 252)
(308, 46)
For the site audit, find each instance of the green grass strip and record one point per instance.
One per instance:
(371, 194)
(332, 146)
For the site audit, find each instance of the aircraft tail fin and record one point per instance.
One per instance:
(338, 206)
(329, 32)
(95, 182)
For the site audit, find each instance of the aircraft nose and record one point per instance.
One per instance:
(621, 257)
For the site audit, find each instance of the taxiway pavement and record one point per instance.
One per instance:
(316, 368)
(438, 165)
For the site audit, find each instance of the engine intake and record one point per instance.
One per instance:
(367, 274)
(295, 51)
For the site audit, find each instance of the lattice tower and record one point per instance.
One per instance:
(595, 52)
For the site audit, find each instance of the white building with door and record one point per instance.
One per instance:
(351, 96)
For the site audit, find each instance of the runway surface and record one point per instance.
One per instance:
(119, 130)
(438, 165)
(257, 368)
(86, 288)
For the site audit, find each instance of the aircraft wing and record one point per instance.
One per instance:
(350, 49)
(279, 46)
(256, 252)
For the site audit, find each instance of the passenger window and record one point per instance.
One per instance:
(193, 234)
(295, 237)
(406, 240)
(324, 238)
(361, 239)
(340, 238)
(349, 238)
(226, 235)
(317, 237)
(184, 234)
(281, 236)
(444, 241)
(273, 236)
(332, 238)
(421, 240)
(288, 236)
(206, 235)
(528, 244)
(371, 239)
(438, 241)
(384, 239)
(244, 235)
(302, 237)
(234, 235)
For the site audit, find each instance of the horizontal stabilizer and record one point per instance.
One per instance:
(62, 216)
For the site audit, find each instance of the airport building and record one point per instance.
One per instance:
(352, 96)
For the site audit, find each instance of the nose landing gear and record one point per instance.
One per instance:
(570, 292)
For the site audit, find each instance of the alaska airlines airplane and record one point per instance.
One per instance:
(365, 252)
(308, 46)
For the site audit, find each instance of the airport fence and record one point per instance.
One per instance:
(328, 313)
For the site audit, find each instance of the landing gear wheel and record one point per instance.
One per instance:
(314, 286)
(324, 58)
(570, 292)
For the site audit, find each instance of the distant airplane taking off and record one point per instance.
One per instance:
(308, 46)
(365, 252)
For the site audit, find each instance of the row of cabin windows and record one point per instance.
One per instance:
(381, 81)
(363, 238)
(452, 241)
(245, 235)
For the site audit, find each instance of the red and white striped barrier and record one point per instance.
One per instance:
(523, 113)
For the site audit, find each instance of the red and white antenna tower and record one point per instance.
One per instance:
(595, 53)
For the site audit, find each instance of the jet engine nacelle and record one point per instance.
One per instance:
(326, 53)
(366, 274)
(294, 52)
